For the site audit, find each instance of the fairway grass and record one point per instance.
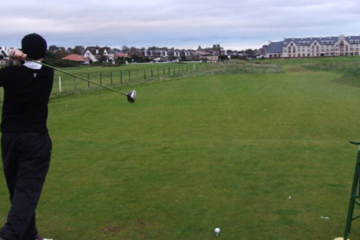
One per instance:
(263, 156)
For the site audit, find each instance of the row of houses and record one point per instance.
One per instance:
(313, 47)
(157, 54)
(109, 55)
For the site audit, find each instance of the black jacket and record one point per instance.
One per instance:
(26, 98)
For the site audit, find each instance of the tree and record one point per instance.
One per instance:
(78, 49)
(53, 48)
(250, 53)
(223, 58)
(125, 49)
(138, 57)
(123, 60)
(57, 52)
(61, 52)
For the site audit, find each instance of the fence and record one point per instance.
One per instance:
(65, 84)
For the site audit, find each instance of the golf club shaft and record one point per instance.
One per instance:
(81, 78)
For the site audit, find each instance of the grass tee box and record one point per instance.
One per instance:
(261, 154)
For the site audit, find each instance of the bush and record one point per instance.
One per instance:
(61, 63)
(123, 60)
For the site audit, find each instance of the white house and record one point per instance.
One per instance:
(4, 52)
(5, 49)
(89, 57)
(155, 52)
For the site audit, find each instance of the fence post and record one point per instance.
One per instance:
(60, 85)
(88, 77)
(121, 78)
(74, 83)
(354, 196)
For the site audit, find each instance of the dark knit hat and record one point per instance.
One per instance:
(34, 46)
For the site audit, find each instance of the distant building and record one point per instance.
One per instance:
(102, 54)
(5, 49)
(121, 55)
(4, 52)
(90, 56)
(155, 52)
(207, 56)
(274, 50)
(74, 58)
(174, 53)
(313, 47)
(212, 54)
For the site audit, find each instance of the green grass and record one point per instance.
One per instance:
(223, 149)
(348, 67)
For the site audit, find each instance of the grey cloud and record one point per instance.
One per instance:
(169, 22)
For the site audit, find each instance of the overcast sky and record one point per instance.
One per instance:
(236, 24)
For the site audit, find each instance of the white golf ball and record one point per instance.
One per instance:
(217, 230)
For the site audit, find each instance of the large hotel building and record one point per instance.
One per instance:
(313, 47)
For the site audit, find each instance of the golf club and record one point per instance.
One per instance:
(131, 96)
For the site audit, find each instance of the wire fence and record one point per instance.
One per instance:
(65, 84)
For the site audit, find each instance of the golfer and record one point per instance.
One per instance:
(25, 142)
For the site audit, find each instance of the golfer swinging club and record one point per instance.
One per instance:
(25, 142)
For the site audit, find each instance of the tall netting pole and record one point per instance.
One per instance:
(354, 196)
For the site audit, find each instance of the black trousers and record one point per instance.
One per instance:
(26, 158)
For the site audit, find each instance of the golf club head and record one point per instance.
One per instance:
(131, 96)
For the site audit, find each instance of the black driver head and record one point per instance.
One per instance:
(131, 96)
